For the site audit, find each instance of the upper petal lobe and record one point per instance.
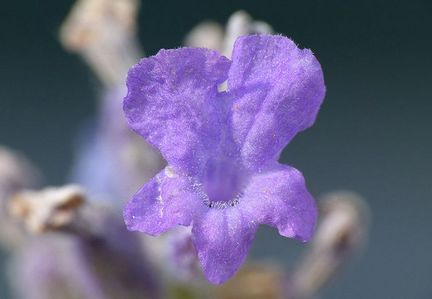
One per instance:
(170, 102)
(277, 89)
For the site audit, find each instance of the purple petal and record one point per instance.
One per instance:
(171, 103)
(222, 239)
(278, 89)
(167, 200)
(279, 198)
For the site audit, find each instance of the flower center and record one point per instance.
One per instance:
(222, 185)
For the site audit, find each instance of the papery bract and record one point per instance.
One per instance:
(222, 148)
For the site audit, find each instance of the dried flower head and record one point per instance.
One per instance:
(222, 148)
(46, 209)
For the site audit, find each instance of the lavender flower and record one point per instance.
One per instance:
(222, 148)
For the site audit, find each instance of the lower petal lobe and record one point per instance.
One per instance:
(165, 201)
(279, 198)
(222, 239)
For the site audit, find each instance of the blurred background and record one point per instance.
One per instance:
(373, 134)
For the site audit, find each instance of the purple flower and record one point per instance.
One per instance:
(222, 148)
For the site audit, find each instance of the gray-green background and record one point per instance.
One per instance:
(372, 135)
